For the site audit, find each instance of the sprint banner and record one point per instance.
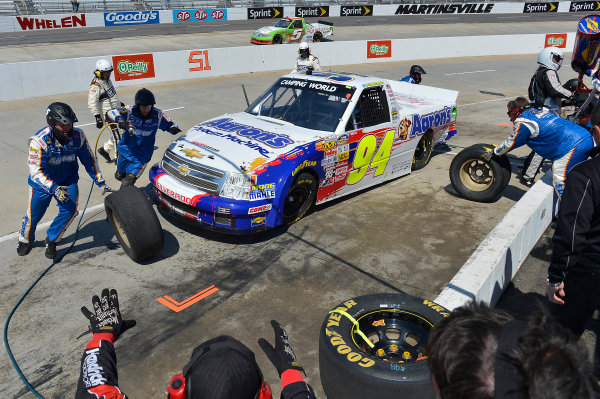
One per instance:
(356, 11)
(265, 12)
(316, 12)
(540, 7)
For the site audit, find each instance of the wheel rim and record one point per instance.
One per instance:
(397, 336)
(294, 201)
(120, 230)
(277, 40)
(421, 150)
(476, 175)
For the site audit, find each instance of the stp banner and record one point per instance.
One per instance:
(136, 66)
(379, 49)
(200, 15)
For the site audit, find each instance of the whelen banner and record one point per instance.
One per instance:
(136, 66)
(379, 49)
(467, 8)
(72, 21)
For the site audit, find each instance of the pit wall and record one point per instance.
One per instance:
(73, 75)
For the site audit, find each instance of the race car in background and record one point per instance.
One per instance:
(289, 30)
(308, 138)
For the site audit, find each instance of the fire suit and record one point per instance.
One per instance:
(102, 97)
(554, 138)
(51, 165)
(302, 64)
(545, 90)
(137, 145)
(99, 378)
(408, 79)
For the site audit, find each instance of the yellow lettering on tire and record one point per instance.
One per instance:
(364, 156)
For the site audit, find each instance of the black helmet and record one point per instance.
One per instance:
(60, 112)
(416, 69)
(144, 97)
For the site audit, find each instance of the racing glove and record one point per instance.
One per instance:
(122, 124)
(282, 356)
(106, 317)
(106, 189)
(175, 130)
(488, 154)
(123, 105)
(99, 121)
(62, 193)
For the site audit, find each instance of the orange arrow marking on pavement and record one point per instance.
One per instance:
(504, 124)
(179, 306)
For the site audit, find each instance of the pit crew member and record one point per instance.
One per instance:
(415, 75)
(564, 143)
(54, 172)
(102, 97)
(139, 123)
(220, 368)
(306, 62)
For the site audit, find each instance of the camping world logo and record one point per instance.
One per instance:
(379, 49)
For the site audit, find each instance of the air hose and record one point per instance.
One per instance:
(57, 260)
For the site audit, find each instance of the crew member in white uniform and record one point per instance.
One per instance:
(306, 61)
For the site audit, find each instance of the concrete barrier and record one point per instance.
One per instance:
(73, 75)
(488, 271)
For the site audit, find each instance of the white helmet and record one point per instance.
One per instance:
(103, 65)
(551, 57)
(304, 46)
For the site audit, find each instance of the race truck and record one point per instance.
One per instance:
(308, 139)
(289, 30)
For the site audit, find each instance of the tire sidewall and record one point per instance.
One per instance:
(426, 138)
(304, 179)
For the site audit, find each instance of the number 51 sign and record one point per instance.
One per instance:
(198, 61)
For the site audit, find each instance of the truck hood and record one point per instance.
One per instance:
(241, 142)
(267, 29)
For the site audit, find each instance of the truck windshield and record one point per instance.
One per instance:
(282, 23)
(304, 103)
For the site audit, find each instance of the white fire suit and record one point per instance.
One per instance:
(102, 97)
(302, 64)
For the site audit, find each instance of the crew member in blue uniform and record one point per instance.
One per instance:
(554, 138)
(415, 75)
(140, 123)
(54, 172)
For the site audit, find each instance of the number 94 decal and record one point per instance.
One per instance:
(369, 156)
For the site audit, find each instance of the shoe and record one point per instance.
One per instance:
(104, 154)
(527, 182)
(23, 249)
(50, 249)
(119, 176)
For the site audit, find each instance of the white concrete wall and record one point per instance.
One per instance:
(72, 75)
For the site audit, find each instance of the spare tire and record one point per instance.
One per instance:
(478, 180)
(134, 222)
(395, 367)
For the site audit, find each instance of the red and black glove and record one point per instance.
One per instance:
(106, 317)
(282, 355)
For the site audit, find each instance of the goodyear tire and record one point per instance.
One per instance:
(477, 180)
(299, 198)
(134, 222)
(423, 151)
(396, 367)
(317, 37)
(277, 39)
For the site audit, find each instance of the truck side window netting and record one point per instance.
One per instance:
(371, 109)
(298, 24)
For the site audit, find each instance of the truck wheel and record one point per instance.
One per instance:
(277, 39)
(423, 151)
(477, 180)
(317, 37)
(398, 326)
(299, 198)
(134, 222)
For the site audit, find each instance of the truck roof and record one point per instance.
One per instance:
(345, 78)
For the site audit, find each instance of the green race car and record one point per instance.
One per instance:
(289, 30)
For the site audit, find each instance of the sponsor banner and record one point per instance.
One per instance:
(556, 40)
(265, 12)
(200, 15)
(131, 18)
(379, 49)
(540, 7)
(136, 66)
(316, 12)
(579, 6)
(447, 8)
(360, 11)
(73, 21)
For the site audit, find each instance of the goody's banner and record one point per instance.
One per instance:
(131, 18)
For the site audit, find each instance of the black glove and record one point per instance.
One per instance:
(122, 124)
(175, 130)
(488, 154)
(107, 317)
(99, 121)
(123, 105)
(282, 356)
(62, 193)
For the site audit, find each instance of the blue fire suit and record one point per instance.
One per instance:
(51, 165)
(554, 138)
(408, 79)
(136, 148)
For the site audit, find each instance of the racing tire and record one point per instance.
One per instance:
(396, 367)
(299, 198)
(277, 39)
(477, 180)
(423, 151)
(317, 37)
(134, 222)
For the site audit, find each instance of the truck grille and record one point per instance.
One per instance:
(203, 177)
(179, 206)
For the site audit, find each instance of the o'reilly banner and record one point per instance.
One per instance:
(577, 6)
(540, 7)
(356, 11)
(468, 8)
(319, 11)
(265, 12)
